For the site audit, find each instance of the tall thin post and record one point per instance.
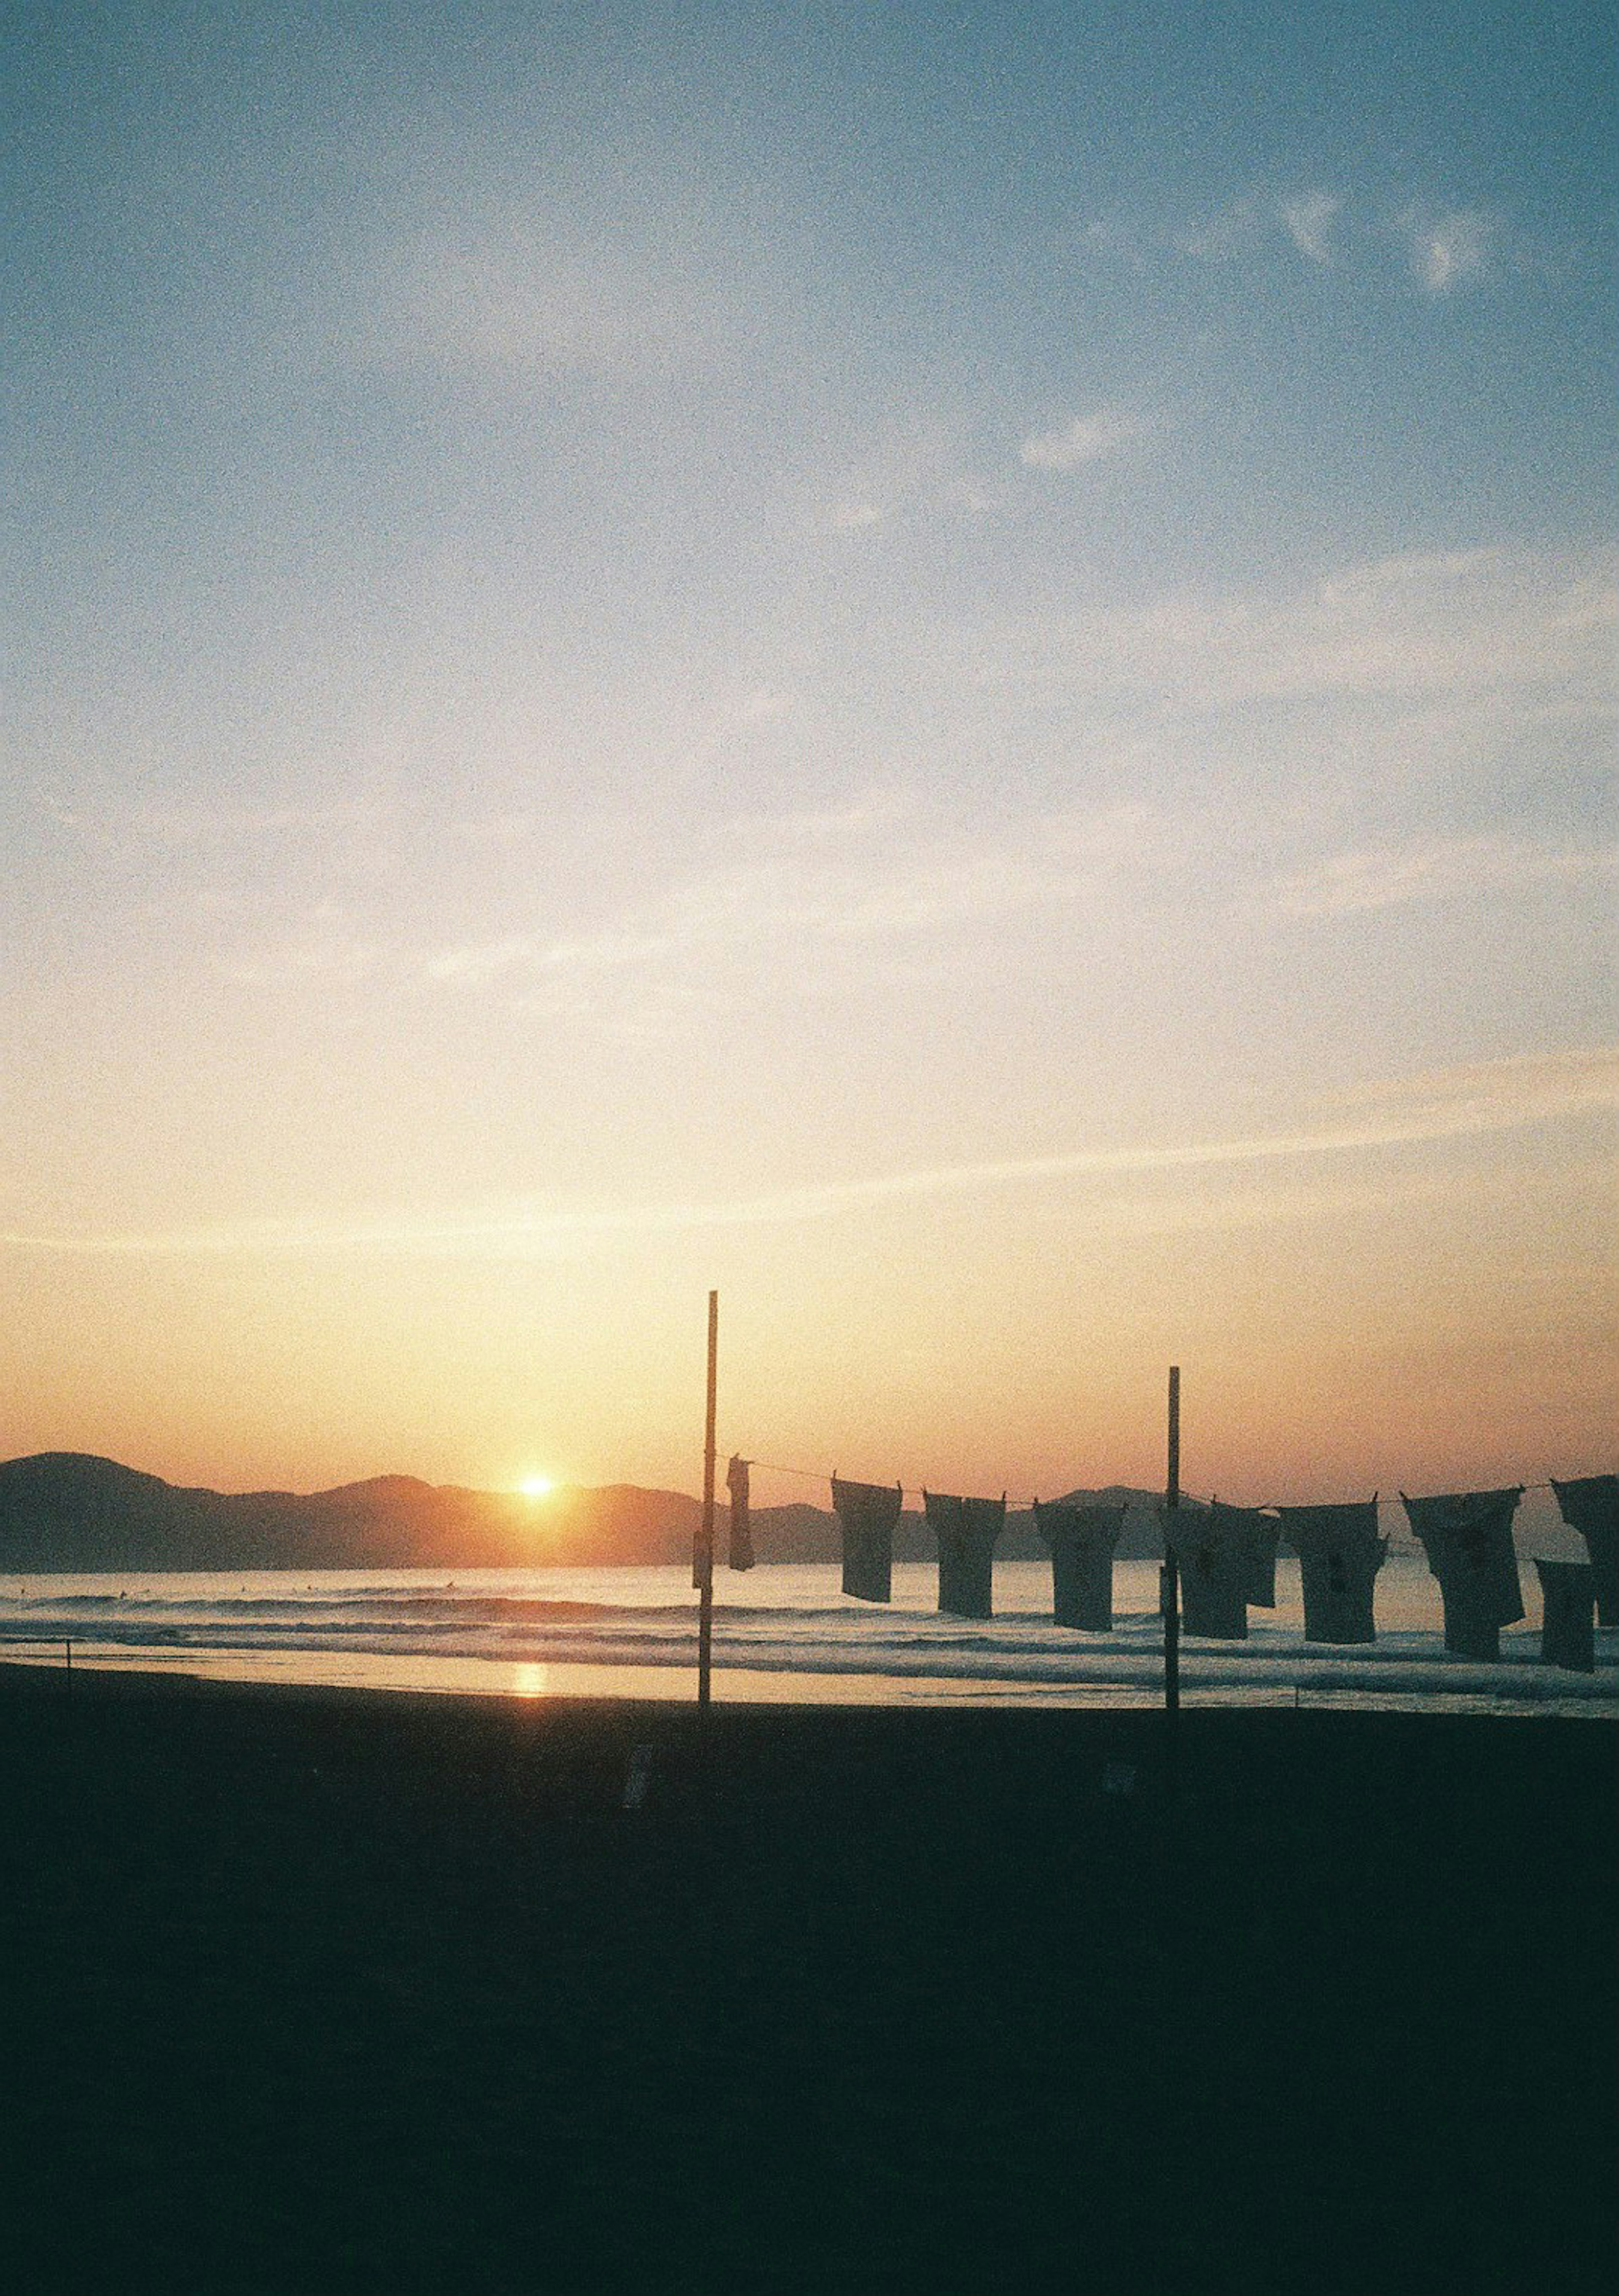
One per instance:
(705, 1549)
(1169, 1578)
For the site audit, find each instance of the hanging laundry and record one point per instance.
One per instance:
(1212, 1552)
(740, 1557)
(1569, 1596)
(1468, 1538)
(1340, 1555)
(1082, 1539)
(1256, 1532)
(867, 1513)
(967, 1530)
(1590, 1505)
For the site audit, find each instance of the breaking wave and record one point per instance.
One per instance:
(794, 1624)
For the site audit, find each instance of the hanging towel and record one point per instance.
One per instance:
(1467, 1537)
(1568, 1595)
(1340, 1555)
(867, 1513)
(967, 1530)
(1082, 1540)
(1590, 1505)
(1255, 1532)
(740, 1557)
(1212, 1554)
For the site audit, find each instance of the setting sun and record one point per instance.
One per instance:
(536, 1487)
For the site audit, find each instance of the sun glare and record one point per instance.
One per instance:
(537, 1486)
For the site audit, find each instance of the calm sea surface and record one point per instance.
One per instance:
(782, 1632)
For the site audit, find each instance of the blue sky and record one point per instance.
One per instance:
(631, 630)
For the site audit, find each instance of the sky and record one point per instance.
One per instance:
(950, 669)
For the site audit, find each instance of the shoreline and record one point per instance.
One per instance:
(1221, 1682)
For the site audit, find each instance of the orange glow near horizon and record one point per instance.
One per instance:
(1433, 1320)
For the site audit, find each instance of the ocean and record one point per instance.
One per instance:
(783, 1633)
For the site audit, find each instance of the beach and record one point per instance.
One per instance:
(331, 1993)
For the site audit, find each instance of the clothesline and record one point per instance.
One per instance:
(1227, 1561)
(1203, 1498)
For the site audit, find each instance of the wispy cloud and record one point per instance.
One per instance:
(1479, 622)
(1440, 1105)
(873, 871)
(1489, 1095)
(1087, 438)
(1308, 221)
(481, 961)
(1442, 247)
(1447, 250)
(1438, 869)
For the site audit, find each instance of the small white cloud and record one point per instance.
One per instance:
(849, 518)
(1309, 223)
(1088, 438)
(1448, 250)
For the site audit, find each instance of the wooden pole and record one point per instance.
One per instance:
(1169, 1580)
(705, 1550)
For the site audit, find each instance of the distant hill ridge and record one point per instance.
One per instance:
(72, 1511)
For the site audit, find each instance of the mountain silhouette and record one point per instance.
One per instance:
(72, 1510)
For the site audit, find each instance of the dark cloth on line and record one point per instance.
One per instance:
(1340, 1555)
(967, 1530)
(1568, 1596)
(1256, 1532)
(867, 1513)
(1082, 1540)
(1590, 1505)
(741, 1555)
(1468, 1538)
(1213, 1559)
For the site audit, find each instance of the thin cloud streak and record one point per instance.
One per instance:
(1348, 884)
(1462, 623)
(895, 880)
(1452, 1104)
(1087, 438)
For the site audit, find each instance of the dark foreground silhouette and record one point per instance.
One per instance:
(338, 1995)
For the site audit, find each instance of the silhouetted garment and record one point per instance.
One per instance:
(867, 1513)
(1568, 1593)
(1340, 1555)
(1590, 1505)
(1256, 1532)
(740, 1557)
(1212, 1554)
(1468, 1538)
(1082, 1540)
(967, 1530)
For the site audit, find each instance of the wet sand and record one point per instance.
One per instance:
(323, 1994)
